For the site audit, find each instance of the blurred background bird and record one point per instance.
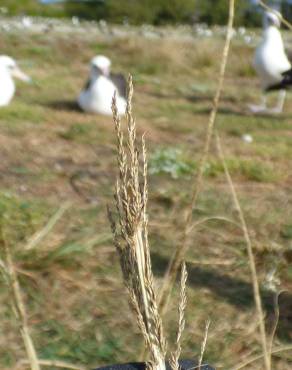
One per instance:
(9, 70)
(270, 62)
(96, 96)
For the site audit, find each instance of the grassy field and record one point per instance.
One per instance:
(52, 154)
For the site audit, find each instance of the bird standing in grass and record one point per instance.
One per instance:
(9, 70)
(271, 63)
(96, 97)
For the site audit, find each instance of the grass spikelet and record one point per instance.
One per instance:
(204, 343)
(130, 233)
(174, 357)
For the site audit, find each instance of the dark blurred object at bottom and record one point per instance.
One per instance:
(184, 365)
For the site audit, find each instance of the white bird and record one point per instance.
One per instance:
(271, 62)
(96, 97)
(8, 71)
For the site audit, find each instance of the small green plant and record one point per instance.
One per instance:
(170, 161)
(173, 162)
(68, 345)
(76, 131)
(286, 231)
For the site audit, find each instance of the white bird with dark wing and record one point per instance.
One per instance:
(96, 97)
(8, 71)
(271, 63)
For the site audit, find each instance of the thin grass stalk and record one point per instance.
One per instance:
(276, 322)
(182, 248)
(131, 234)
(175, 355)
(255, 358)
(41, 234)
(212, 218)
(18, 306)
(251, 258)
(269, 9)
(204, 343)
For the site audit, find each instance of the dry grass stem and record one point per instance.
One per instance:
(130, 233)
(214, 218)
(252, 264)
(276, 322)
(174, 357)
(269, 9)
(204, 343)
(211, 262)
(18, 305)
(41, 234)
(259, 357)
(181, 249)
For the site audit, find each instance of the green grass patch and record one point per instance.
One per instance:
(77, 132)
(250, 169)
(20, 218)
(74, 346)
(286, 231)
(169, 161)
(20, 112)
(173, 162)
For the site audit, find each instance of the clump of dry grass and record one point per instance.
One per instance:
(131, 240)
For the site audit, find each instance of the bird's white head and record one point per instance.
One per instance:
(272, 19)
(100, 65)
(9, 65)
